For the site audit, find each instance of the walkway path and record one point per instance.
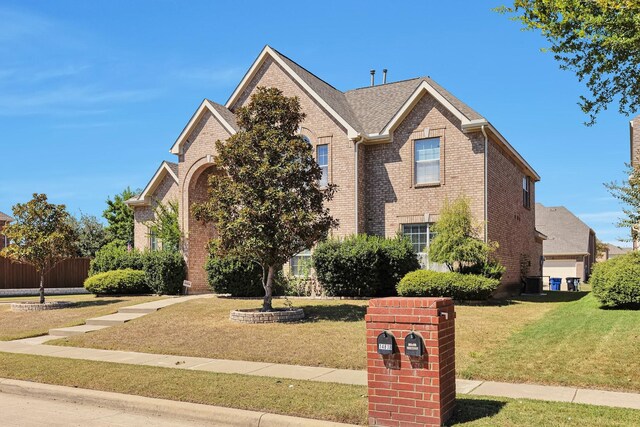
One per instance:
(343, 376)
(35, 346)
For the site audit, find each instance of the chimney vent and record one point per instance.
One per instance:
(384, 76)
(373, 76)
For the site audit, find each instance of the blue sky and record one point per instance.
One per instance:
(93, 94)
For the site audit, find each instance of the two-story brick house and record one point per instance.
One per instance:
(634, 144)
(396, 151)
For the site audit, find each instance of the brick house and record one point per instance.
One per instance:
(570, 247)
(396, 151)
(4, 220)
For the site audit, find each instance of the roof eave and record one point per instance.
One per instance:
(475, 125)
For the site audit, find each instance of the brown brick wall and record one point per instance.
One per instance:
(165, 192)
(634, 131)
(390, 193)
(318, 126)
(509, 222)
(411, 391)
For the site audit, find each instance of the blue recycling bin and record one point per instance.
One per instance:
(554, 283)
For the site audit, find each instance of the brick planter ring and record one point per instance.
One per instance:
(36, 306)
(256, 316)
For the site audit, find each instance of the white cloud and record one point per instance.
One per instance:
(607, 216)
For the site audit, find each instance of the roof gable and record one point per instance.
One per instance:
(326, 95)
(5, 218)
(166, 168)
(222, 114)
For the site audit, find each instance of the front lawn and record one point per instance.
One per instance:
(326, 401)
(333, 334)
(578, 344)
(16, 325)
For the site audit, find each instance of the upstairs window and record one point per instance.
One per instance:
(526, 192)
(427, 161)
(322, 157)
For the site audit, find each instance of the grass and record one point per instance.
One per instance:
(333, 334)
(326, 401)
(16, 325)
(576, 344)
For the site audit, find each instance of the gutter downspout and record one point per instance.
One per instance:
(357, 141)
(486, 154)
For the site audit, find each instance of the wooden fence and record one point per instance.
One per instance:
(70, 273)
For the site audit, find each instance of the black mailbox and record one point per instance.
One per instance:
(413, 345)
(385, 343)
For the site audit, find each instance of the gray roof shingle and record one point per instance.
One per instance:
(226, 114)
(173, 167)
(369, 109)
(566, 233)
(5, 218)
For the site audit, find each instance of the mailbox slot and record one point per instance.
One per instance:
(386, 343)
(413, 345)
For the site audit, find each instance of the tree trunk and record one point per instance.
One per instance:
(41, 287)
(268, 290)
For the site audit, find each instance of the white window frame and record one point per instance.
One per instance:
(423, 256)
(306, 255)
(416, 162)
(324, 181)
(153, 242)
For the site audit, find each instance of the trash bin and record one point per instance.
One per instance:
(533, 285)
(573, 283)
(554, 283)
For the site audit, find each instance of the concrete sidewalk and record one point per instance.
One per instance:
(342, 376)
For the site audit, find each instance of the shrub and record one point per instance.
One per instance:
(165, 269)
(126, 281)
(238, 277)
(616, 282)
(114, 257)
(363, 266)
(426, 283)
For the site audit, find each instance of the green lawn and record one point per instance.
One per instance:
(576, 344)
(561, 338)
(16, 325)
(333, 334)
(326, 401)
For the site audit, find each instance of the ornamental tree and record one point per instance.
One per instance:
(599, 40)
(42, 235)
(165, 225)
(91, 235)
(266, 203)
(457, 244)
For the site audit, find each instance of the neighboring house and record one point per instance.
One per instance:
(613, 251)
(570, 247)
(396, 151)
(634, 144)
(4, 220)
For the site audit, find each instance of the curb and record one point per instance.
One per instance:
(212, 415)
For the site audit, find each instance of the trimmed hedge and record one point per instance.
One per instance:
(616, 282)
(165, 270)
(127, 281)
(462, 287)
(363, 266)
(238, 277)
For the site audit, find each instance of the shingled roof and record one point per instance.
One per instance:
(5, 218)
(566, 233)
(226, 114)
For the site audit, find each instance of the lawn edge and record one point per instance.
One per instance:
(215, 415)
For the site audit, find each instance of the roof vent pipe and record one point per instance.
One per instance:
(384, 76)
(373, 74)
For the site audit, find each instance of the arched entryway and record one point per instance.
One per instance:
(197, 234)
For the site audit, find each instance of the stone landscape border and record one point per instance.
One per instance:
(276, 316)
(36, 306)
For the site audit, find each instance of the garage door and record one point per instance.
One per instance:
(559, 268)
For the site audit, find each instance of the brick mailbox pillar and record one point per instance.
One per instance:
(414, 389)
